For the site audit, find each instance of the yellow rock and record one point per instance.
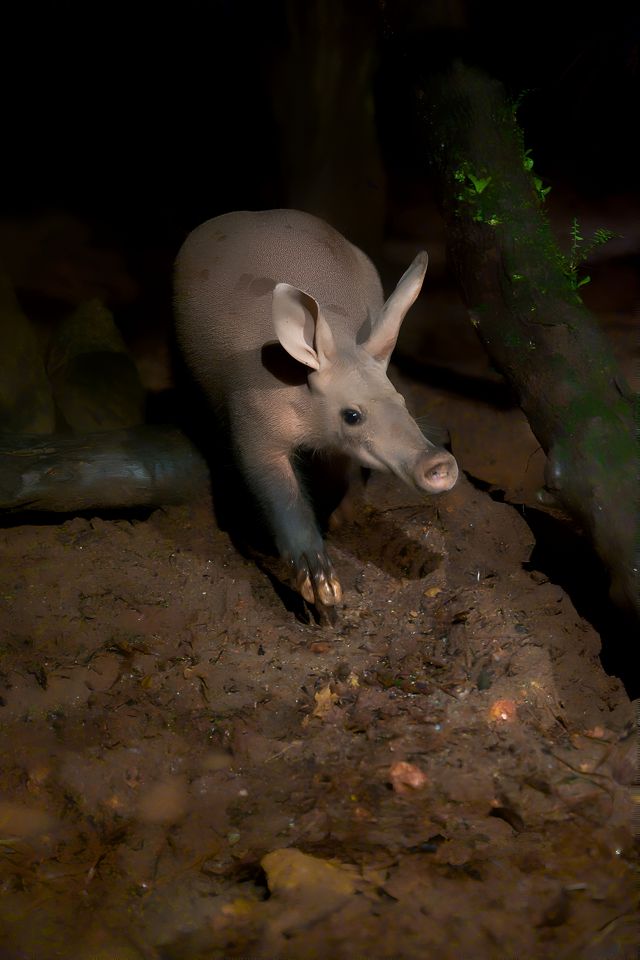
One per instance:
(432, 591)
(290, 870)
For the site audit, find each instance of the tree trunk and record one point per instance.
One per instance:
(26, 403)
(95, 383)
(140, 467)
(522, 297)
(323, 93)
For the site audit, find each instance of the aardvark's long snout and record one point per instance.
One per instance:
(435, 471)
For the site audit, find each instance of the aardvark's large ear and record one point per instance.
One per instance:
(301, 328)
(386, 326)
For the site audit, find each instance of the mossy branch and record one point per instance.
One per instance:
(523, 299)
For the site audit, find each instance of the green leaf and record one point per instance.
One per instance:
(480, 183)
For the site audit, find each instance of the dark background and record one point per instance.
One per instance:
(146, 119)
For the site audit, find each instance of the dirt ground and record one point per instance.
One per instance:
(190, 771)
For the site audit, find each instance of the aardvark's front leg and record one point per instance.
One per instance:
(291, 518)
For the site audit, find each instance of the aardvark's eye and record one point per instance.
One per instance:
(352, 417)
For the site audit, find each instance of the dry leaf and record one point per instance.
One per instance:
(406, 777)
(325, 700)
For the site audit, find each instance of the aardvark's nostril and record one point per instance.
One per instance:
(437, 472)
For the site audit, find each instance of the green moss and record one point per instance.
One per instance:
(471, 192)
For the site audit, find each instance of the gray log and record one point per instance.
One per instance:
(148, 466)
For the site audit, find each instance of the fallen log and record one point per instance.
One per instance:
(144, 466)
